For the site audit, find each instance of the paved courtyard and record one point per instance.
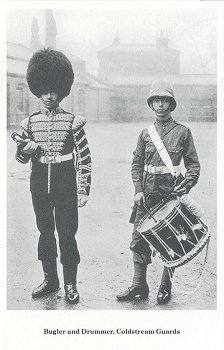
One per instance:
(105, 232)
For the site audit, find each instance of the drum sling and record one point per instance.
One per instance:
(164, 155)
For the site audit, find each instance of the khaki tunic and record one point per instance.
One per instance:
(179, 143)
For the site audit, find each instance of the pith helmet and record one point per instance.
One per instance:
(162, 88)
(49, 71)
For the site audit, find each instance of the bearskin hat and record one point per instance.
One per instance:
(49, 71)
(162, 88)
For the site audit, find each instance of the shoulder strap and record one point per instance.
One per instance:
(161, 148)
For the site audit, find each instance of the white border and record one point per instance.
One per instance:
(199, 329)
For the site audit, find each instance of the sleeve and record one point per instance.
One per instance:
(83, 161)
(22, 157)
(138, 165)
(191, 162)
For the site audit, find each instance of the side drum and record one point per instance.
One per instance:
(174, 232)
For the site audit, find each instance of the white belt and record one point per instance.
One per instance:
(49, 159)
(161, 169)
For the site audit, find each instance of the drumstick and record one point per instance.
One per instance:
(150, 214)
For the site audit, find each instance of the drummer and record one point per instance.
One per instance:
(153, 181)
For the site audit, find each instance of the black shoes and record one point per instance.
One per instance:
(133, 292)
(163, 297)
(51, 282)
(164, 294)
(48, 286)
(71, 293)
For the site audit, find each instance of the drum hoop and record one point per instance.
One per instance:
(161, 224)
(190, 255)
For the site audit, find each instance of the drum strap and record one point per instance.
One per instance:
(158, 143)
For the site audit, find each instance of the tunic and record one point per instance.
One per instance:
(179, 143)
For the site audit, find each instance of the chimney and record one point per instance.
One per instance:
(50, 30)
(161, 41)
(116, 40)
(35, 40)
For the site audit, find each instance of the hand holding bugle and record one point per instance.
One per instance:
(20, 141)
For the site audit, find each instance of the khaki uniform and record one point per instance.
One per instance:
(179, 143)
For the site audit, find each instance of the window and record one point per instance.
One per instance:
(22, 99)
(81, 102)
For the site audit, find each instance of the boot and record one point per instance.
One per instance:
(139, 287)
(133, 292)
(51, 281)
(70, 277)
(164, 293)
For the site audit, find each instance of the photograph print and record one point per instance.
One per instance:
(111, 158)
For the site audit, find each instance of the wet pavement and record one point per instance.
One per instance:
(105, 232)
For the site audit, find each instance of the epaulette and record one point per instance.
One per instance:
(78, 122)
(184, 126)
(25, 122)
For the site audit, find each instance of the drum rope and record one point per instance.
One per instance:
(190, 224)
(158, 237)
(198, 277)
(165, 246)
(168, 249)
(176, 233)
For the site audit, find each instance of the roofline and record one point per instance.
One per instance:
(18, 58)
(16, 75)
(131, 44)
(18, 44)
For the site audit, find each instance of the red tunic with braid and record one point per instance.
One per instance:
(58, 133)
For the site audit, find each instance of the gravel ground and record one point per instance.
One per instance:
(104, 231)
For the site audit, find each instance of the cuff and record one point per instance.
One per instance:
(189, 185)
(138, 188)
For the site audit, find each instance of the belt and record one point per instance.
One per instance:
(161, 169)
(52, 159)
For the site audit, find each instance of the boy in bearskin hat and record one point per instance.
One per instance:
(153, 181)
(61, 169)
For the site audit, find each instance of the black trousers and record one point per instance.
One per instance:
(57, 210)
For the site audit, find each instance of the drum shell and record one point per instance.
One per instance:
(178, 237)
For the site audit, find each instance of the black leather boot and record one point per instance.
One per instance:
(164, 293)
(133, 292)
(70, 276)
(71, 293)
(51, 281)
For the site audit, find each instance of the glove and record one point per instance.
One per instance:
(30, 147)
(184, 187)
(139, 198)
(189, 185)
(82, 199)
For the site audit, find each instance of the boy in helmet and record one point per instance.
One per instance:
(153, 180)
(59, 153)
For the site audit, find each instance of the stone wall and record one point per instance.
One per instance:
(128, 103)
(92, 103)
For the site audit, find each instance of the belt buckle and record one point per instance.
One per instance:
(158, 170)
(149, 168)
(49, 159)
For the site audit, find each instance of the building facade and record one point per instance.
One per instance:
(89, 96)
(122, 87)
(131, 68)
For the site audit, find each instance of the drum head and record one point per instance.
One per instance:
(161, 214)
